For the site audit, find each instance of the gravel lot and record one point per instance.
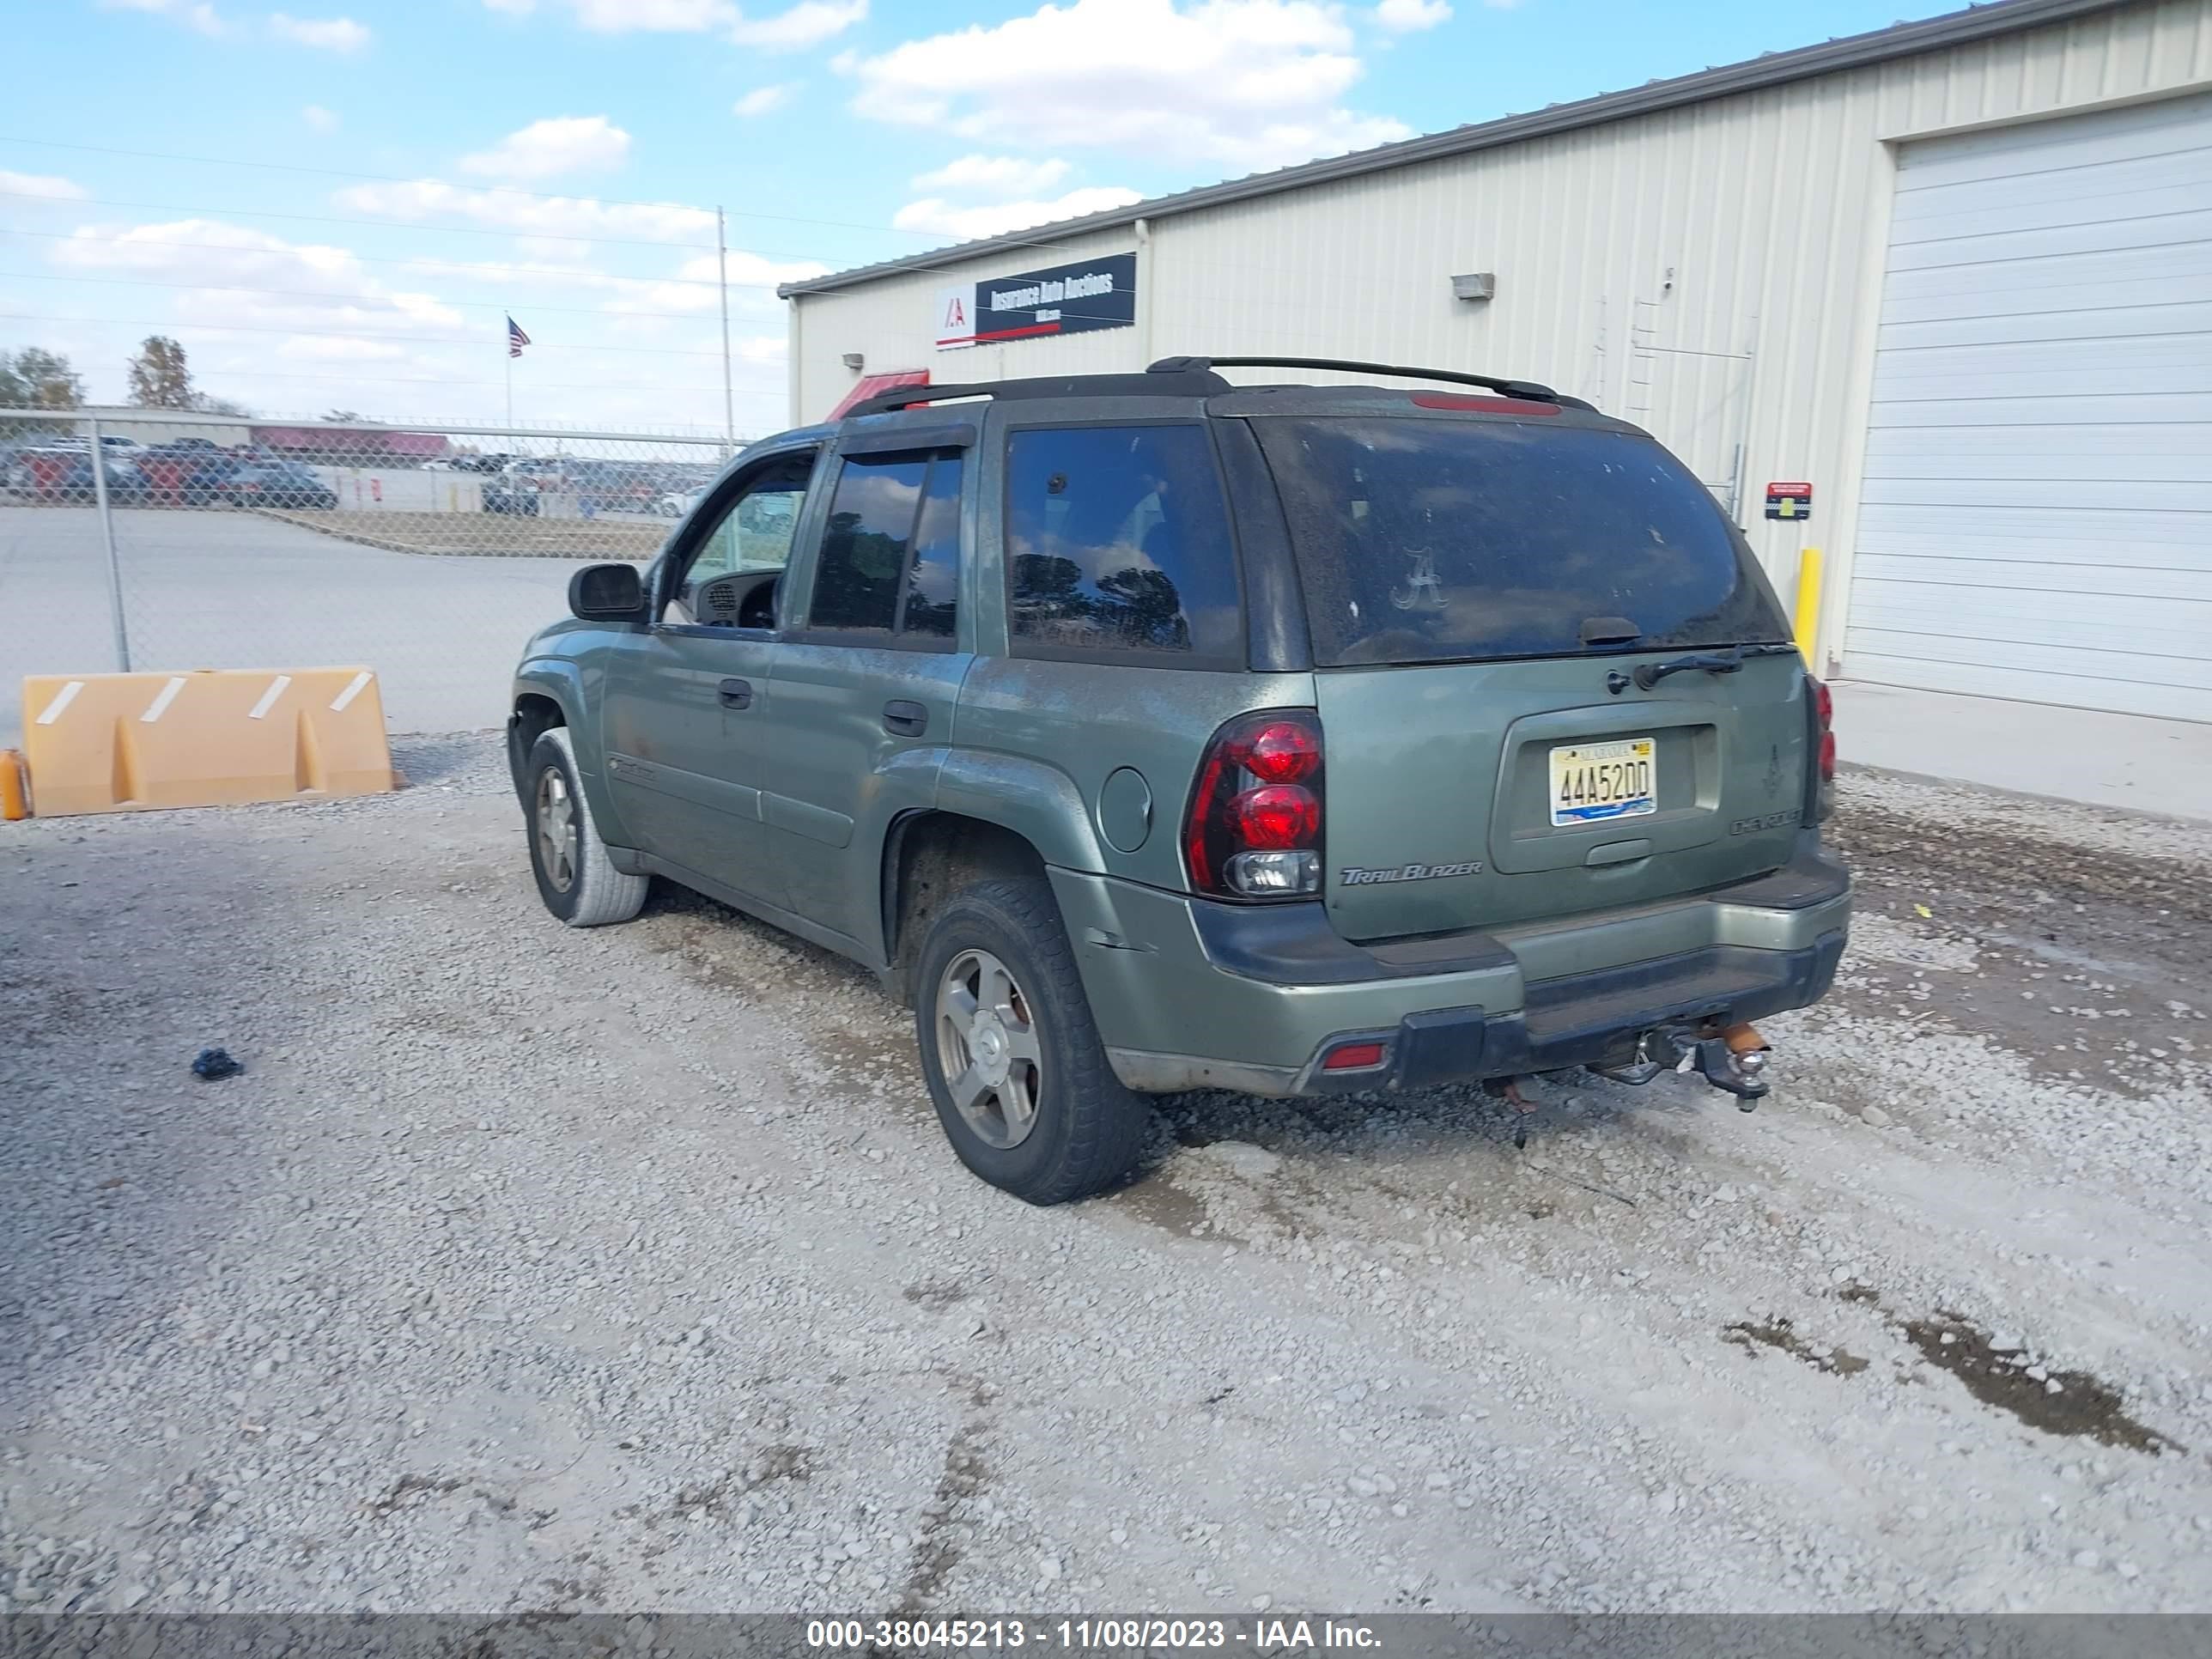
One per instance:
(525, 1268)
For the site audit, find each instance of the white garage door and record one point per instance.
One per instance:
(2036, 521)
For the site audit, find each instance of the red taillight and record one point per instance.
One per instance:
(1277, 817)
(1353, 1057)
(1254, 831)
(1820, 786)
(1284, 751)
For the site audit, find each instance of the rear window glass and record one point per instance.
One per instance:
(1437, 541)
(1119, 542)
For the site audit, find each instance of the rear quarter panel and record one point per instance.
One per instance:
(1022, 724)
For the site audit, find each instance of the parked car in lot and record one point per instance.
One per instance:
(510, 493)
(277, 484)
(1146, 732)
(677, 502)
(63, 471)
(192, 471)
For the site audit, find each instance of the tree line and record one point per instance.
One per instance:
(159, 377)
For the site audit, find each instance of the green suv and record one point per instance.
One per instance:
(1146, 732)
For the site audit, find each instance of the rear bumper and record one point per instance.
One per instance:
(1191, 995)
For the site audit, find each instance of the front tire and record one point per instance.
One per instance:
(1010, 1054)
(575, 877)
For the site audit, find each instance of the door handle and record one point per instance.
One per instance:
(902, 719)
(737, 694)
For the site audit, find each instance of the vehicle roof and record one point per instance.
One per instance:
(1192, 385)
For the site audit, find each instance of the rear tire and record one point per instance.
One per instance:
(576, 877)
(1009, 1051)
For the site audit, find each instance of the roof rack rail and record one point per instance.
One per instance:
(1535, 390)
(1185, 377)
(1198, 381)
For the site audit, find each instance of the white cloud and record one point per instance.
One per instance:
(558, 144)
(324, 33)
(994, 175)
(332, 348)
(423, 199)
(311, 285)
(807, 24)
(764, 100)
(994, 219)
(1242, 83)
(46, 186)
(289, 327)
(1409, 16)
(200, 16)
(690, 290)
(321, 119)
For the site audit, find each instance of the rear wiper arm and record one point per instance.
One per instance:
(1649, 674)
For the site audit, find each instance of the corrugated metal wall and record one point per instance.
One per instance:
(1712, 272)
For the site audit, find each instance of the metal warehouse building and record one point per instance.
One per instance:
(1954, 275)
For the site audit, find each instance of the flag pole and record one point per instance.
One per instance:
(506, 346)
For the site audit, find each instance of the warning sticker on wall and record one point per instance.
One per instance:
(1790, 499)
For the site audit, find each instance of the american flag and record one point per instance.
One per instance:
(516, 339)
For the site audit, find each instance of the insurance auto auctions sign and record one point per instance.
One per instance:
(1066, 299)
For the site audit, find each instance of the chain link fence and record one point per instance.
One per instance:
(428, 554)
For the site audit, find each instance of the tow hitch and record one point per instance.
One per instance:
(1734, 1059)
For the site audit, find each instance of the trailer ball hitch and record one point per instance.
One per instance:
(1734, 1059)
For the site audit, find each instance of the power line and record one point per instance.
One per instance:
(343, 172)
(506, 190)
(324, 293)
(379, 224)
(487, 272)
(182, 325)
(541, 385)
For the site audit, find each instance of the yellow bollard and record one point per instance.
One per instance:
(15, 798)
(1808, 605)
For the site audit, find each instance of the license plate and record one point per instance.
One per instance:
(1592, 782)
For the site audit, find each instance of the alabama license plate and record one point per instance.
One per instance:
(1592, 782)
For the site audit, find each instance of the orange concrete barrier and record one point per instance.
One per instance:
(125, 742)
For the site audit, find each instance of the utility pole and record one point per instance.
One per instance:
(722, 265)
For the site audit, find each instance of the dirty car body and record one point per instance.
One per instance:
(1341, 737)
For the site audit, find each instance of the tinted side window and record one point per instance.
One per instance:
(890, 554)
(932, 581)
(1118, 541)
(857, 583)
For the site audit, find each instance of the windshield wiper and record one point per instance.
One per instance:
(1648, 675)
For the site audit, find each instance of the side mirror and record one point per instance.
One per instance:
(607, 593)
